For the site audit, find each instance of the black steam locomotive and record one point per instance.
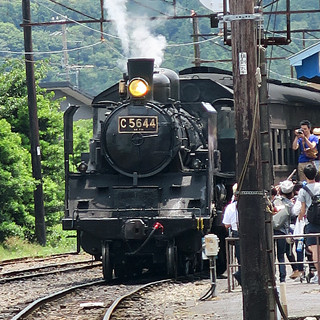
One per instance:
(151, 186)
(162, 164)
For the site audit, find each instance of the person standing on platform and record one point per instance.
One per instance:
(231, 221)
(307, 143)
(285, 203)
(310, 171)
(298, 229)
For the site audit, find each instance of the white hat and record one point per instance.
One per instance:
(316, 131)
(234, 188)
(286, 186)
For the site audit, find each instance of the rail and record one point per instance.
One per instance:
(232, 265)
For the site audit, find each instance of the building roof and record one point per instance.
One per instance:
(68, 90)
(296, 59)
(73, 96)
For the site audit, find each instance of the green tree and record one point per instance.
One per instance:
(81, 138)
(16, 184)
(14, 110)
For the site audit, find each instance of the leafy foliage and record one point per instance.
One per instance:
(17, 185)
(82, 132)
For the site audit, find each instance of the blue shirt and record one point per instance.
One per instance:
(303, 157)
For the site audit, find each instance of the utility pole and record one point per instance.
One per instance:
(65, 51)
(195, 24)
(40, 229)
(63, 33)
(253, 248)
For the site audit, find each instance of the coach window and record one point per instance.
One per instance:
(281, 145)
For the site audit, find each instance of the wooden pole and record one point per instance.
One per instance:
(40, 229)
(253, 248)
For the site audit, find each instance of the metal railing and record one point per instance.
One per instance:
(232, 264)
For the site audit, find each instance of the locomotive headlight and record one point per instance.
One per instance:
(138, 88)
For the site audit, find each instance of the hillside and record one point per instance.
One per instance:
(95, 63)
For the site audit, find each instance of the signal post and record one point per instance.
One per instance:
(251, 206)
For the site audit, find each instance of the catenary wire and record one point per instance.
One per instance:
(92, 29)
(76, 22)
(51, 52)
(192, 43)
(71, 9)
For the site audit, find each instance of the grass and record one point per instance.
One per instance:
(57, 242)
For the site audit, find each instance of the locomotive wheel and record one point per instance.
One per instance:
(172, 261)
(106, 262)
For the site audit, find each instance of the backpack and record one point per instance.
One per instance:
(313, 213)
(280, 218)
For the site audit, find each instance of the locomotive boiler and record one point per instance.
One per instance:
(151, 185)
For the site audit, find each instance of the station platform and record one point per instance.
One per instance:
(303, 301)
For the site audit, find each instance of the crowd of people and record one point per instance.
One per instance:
(295, 199)
(290, 201)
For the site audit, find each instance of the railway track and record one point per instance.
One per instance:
(47, 270)
(83, 294)
(41, 268)
(93, 300)
(118, 309)
(25, 280)
(41, 302)
(14, 261)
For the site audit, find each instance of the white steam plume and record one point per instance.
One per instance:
(136, 37)
(117, 11)
(146, 45)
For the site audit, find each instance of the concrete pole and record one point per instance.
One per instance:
(65, 51)
(195, 24)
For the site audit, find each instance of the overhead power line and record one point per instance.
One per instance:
(68, 20)
(51, 52)
(192, 43)
(71, 9)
